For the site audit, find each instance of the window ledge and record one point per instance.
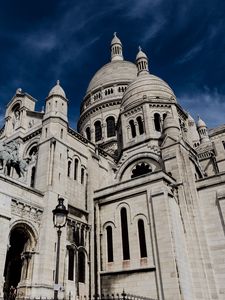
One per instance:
(136, 270)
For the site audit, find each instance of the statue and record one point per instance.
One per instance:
(9, 157)
(16, 119)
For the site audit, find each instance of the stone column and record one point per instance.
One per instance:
(5, 216)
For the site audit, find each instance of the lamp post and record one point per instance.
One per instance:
(59, 219)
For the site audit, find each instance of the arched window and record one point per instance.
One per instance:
(88, 133)
(75, 168)
(82, 176)
(140, 125)
(141, 169)
(68, 168)
(142, 240)
(132, 127)
(70, 264)
(81, 267)
(157, 122)
(32, 181)
(109, 243)
(111, 126)
(124, 230)
(98, 131)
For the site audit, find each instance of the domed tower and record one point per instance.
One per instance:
(56, 103)
(101, 104)
(144, 107)
(202, 130)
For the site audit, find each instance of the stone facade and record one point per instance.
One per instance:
(143, 183)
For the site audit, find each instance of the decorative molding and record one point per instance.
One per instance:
(26, 211)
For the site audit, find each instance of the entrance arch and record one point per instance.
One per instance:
(19, 255)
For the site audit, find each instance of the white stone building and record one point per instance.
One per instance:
(143, 183)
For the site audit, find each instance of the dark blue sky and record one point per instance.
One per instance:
(42, 41)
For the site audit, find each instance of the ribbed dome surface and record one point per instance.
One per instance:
(113, 72)
(147, 86)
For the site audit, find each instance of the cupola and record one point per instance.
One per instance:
(56, 103)
(202, 130)
(116, 49)
(142, 62)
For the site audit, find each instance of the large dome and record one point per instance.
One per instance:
(113, 72)
(148, 87)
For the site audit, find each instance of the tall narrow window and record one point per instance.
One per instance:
(82, 176)
(81, 267)
(61, 133)
(125, 238)
(140, 125)
(98, 131)
(75, 168)
(157, 122)
(132, 127)
(88, 133)
(142, 241)
(70, 264)
(109, 243)
(33, 171)
(111, 126)
(68, 168)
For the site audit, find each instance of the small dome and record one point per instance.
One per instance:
(115, 40)
(148, 87)
(201, 123)
(141, 54)
(113, 72)
(57, 90)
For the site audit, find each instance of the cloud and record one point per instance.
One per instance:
(190, 54)
(209, 104)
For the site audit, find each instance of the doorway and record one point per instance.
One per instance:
(19, 240)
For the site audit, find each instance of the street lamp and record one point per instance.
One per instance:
(59, 219)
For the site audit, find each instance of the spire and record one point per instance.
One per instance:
(142, 62)
(116, 49)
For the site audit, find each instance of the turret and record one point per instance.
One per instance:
(56, 103)
(171, 127)
(116, 49)
(142, 62)
(202, 130)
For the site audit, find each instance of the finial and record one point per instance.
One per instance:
(114, 33)
(139, 48)
(57, 82)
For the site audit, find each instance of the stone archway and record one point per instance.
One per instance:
(19, 254)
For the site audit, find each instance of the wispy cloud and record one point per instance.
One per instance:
(190, 54)
(209, 104)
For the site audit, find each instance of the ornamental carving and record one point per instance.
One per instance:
(26, 211)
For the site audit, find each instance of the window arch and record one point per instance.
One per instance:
(141, 169)
(88, 133)
(75, 168)
(124, 231)
(111, 126)
(70, 264)
(109, 243)
(81, 267)
(69, 168)
(140, 125)
(33, 173)
(142, 240)
(157, 122)
(133, 128)
(98, 131)
(82, 176)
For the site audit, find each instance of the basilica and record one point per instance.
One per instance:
(142, 181)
